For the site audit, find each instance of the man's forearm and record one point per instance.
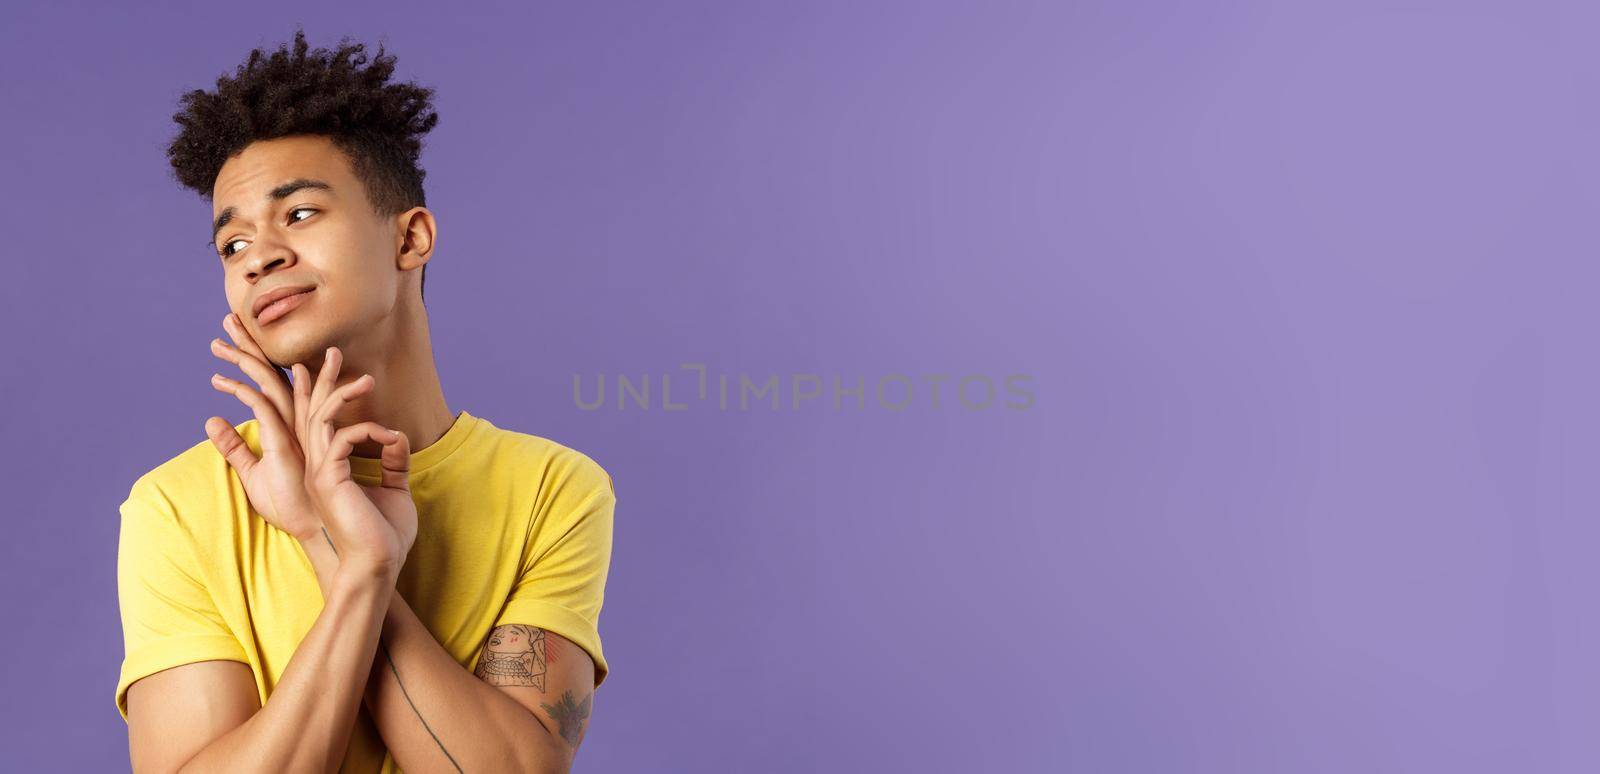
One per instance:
(305, 724)
(435, 715)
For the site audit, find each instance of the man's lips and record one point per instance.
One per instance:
(286, 289)
(282, 306)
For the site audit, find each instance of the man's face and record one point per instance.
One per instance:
(328, 239)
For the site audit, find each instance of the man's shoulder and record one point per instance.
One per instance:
(556, 462)
(196, 473)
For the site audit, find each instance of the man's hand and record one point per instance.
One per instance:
(275, 483)
(302, 482)
(373, 527)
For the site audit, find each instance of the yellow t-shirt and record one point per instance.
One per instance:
(512, 528)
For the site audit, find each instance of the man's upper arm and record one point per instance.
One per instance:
(560, 588)
(544, 672)
(184, 680)
(173, 714)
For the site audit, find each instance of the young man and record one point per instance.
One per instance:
(358, 578)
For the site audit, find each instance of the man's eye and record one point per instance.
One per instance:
(227, 247)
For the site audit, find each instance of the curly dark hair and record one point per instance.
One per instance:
(378, 125)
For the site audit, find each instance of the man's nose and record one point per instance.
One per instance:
(268, 254)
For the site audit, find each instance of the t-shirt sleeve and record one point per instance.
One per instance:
(562, 579)
(168, 616)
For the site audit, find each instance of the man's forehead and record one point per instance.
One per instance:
(251, 178)
(267, 189)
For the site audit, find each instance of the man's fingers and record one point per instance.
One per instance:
(323, 414)
(328, 377)
(269, 380)
(397, 462)
(245, 342)
(274, 434)
(230, 445)
(330, 405)
(345, 439)
(242, 338)
(302, 400)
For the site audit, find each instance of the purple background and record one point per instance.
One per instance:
(1305, 292)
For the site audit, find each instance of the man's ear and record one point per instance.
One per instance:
(416, 233)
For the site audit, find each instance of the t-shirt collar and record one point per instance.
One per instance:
(422, 459)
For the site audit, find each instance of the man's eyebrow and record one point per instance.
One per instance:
(281, 192)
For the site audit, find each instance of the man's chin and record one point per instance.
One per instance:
(297, 347)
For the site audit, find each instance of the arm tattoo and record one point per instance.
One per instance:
(514, 655)
(570, 715)
(418, 712)
(399, 682)
(520, 655)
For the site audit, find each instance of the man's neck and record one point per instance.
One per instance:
(406, 394)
